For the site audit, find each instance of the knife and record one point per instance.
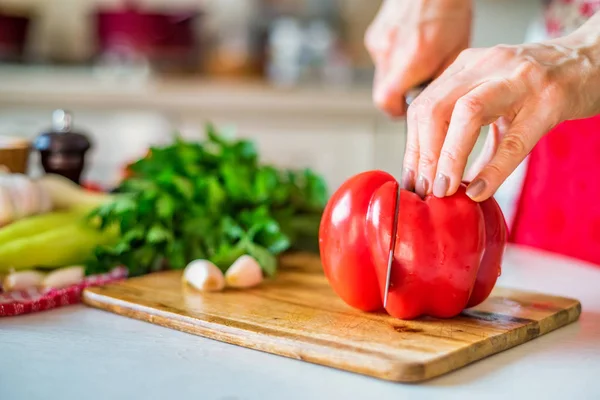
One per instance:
(392, 246)
(412, 94)
(409, 98)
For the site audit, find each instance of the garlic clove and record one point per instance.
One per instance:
(203, 275)
(21, 280)
(7, 209)
(245, 272)
(63, 277)
(7, 182)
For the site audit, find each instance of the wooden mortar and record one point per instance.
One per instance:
(14, 154)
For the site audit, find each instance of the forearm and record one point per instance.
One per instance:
(587, 39)
(592, 23)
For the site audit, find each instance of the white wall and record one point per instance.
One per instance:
(63, 29)
(503, 21)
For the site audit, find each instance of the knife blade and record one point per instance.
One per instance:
(392, 246)
(409, 98)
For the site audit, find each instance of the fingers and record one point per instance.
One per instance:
(479, 107)
(410, 52)
(433, 109)
(404, 72)
(379, 41)
(512, 150)
(381, 33)
(431, 132)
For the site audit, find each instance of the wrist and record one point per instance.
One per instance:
(586, 39)
(583, 46)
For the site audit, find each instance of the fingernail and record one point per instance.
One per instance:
(422, 186)
(476, 188)
(408, 179)
(440, 185)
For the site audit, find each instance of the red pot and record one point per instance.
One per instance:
(154, 35)
(13, 36)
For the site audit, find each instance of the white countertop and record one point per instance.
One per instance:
(82, 353)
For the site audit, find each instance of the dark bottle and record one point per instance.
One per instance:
(63, 151)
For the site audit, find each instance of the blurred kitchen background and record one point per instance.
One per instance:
(291, 74)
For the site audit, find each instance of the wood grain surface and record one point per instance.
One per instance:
(297, 315)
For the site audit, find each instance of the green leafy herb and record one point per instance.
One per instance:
(212, 199)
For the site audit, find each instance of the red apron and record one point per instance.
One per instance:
(558, 209)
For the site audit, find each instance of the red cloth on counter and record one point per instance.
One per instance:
(19, 302)
(558, 209)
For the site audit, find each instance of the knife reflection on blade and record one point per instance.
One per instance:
(392, 246)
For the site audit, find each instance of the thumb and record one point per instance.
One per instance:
(513, 147)
(490, 147)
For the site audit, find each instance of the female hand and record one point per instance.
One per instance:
(523, 91)
(411, 41)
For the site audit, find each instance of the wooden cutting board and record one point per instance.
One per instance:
(297, 315)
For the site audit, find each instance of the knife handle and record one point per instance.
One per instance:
(412, 94)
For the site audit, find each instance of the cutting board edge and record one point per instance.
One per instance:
(499, 289)
(573, 314)
(395, 370)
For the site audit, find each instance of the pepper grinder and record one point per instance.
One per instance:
(63, 151)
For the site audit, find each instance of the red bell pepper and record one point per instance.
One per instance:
(447, 256)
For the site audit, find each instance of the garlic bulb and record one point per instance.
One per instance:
(26, 195)
(20, 197)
